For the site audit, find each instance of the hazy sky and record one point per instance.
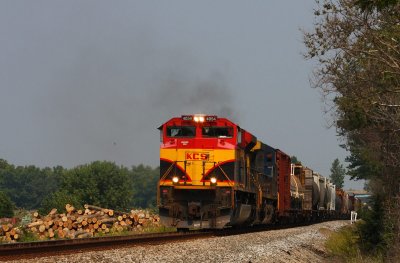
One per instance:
(92, 80)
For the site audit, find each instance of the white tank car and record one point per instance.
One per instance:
(322, 193)
(316, 191)
(331, 195)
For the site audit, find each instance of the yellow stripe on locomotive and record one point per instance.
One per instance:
(197, 167)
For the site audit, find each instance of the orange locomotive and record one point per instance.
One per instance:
(214, 174)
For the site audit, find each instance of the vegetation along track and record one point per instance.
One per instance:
(16, 251)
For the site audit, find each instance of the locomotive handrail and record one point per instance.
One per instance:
(167, 172)
(223, 172)
(254, 180)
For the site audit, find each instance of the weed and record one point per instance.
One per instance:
(158, 229)
(28, 236)
(344, 246)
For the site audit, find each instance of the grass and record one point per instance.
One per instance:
(28, 236)
(344, 246)
(144, 230)
(158, 229)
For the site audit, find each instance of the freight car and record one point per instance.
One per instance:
(215, 174)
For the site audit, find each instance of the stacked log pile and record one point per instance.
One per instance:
(87, 222)
(9, 233)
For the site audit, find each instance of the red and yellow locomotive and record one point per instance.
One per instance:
(215, 174)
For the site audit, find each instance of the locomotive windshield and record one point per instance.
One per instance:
(220, 132)
(181, 131)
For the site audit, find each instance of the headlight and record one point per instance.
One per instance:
(175, 179)
(213, 180)
(198, 118)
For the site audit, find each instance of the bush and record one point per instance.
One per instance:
(343, 243)
(374, 234)
(58, 200)
(346, 246)
(6, 206)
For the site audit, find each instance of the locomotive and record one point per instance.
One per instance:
(215, 174)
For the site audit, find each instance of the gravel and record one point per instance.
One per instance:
(302, 244)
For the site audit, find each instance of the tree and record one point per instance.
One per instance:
(27, 186)
(99, 183)
(357, 46)
(359, 74)
(294, 160)
(58, 200)
(370, 5)
(337, 173)
(6, 206)
(144, 180)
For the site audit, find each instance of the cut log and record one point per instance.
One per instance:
(51, 233)
(52, 212)
(42, 228)
(108, 220)
(6, 227)
(60, 233)
(93, 207)
(69, 208)
(37, 223)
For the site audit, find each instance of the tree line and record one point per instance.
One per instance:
(99, 183)
(356, 44)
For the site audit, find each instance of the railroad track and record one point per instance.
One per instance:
(67, 246)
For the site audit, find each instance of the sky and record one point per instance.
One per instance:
(92, 80)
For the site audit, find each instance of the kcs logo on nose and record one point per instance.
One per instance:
(202, 156)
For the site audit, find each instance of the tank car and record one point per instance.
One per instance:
(342, 203)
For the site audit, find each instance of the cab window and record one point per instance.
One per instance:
(219, 132)
(181, 131)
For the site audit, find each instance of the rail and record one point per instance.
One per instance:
(53, 247)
